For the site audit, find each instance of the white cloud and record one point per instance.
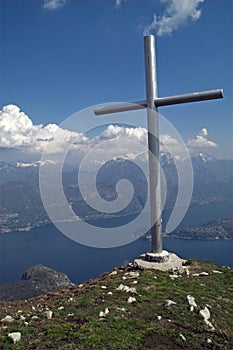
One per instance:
(168, 140)
(118, 3)
(17, 131)
(53, 4)
(201, 140)
(114, 131)
(19, 134)
(176, 14)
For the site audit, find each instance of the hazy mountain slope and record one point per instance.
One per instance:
(37, 280)
(21, 205)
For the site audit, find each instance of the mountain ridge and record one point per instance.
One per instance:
(22, 208)
(35, 281)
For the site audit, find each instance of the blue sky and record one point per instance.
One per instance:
(58, 57)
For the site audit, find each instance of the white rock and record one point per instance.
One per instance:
(7, 318)
(209, 324)
(195, 274)
(70, 299)
(101, 314)
(205, 313)
(173, 276)
(33, 308)
(22, 318)
(203, 273)
(209, 341)
(121, 309)
(106, 311)
(26, 324)
(19, 311)
(81, 285)
(34, 318)
(121, 287)
(15, 336)
(127, 289)
(182, 337)
(124, 278)
(159, 318)
(49, 314)
(168, 303)
(131, 300)
(61, 308)
(133, 274)
(113, 273)
(191, 301)
(103, 287)
(110, 293)
(135, 282)
(155, 277)
(70, 315)
(216, 271)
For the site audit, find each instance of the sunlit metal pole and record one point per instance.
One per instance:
(152, 103)
(153, 143)
(161, 101)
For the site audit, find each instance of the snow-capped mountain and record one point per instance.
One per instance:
(21, 205)
(18, 171)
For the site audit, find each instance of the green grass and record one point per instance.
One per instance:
(135, 328)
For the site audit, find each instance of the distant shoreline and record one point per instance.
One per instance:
(208, 230)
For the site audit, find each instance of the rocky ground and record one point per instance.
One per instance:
(127, 309)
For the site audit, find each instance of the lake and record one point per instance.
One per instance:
(47, 246)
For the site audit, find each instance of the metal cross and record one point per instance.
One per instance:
(152, 103)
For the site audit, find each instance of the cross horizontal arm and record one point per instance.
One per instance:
(161, 101)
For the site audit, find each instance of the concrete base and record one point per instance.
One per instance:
(163, 261)
(157, 257)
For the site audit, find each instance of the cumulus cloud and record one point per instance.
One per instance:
(176, 14)
(201, 140)
(53, 4)
(17, 131)
(168, 140)
(114, 131)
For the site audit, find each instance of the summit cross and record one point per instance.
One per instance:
(152, 103)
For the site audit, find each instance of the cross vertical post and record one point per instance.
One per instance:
(153, 143)
(157, 257)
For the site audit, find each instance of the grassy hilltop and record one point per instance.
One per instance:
(98, 314)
